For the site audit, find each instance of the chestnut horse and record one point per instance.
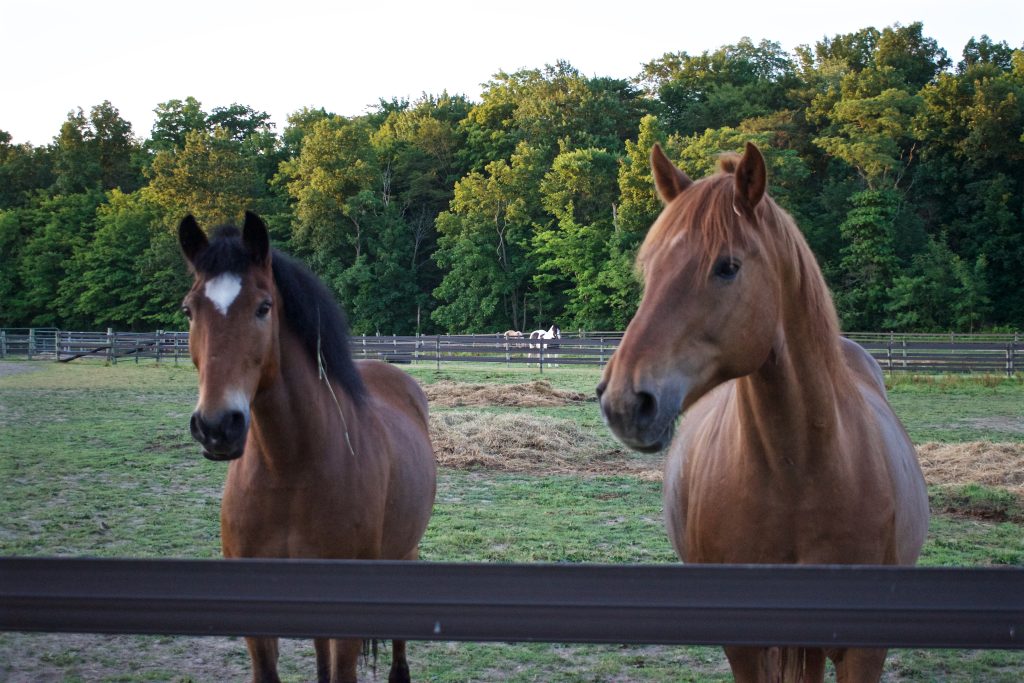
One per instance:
(328, 458)
(787, 451)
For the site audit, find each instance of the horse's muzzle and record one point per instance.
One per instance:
(641, 420)
(222, 435)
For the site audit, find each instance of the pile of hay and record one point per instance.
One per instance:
(525, 443)
(987, 463)
(537, 394)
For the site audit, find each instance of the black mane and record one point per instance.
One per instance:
(309, 308)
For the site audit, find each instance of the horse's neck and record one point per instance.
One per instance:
(293, 416)
(791, 406)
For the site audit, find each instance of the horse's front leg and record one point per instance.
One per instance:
(859, 665)
(344, 661)
(263, 652)
(399, 666)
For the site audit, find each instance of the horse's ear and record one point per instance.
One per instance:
(256, 238)
(669, 180)
(192, 239)
(751, 177)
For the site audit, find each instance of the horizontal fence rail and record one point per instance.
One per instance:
(915, 353)
(826, 606)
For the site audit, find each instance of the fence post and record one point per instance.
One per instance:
(3, 343)
(888, 352)
(111, 340)
(543, 346)
(1013, 352)
(904, 352)
(437, 351)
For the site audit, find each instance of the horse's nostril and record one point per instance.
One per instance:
(234, 425)
(196, 427)
(600, 388)
(646, 406)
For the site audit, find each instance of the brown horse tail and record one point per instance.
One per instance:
(370, 648)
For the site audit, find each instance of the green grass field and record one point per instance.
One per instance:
(96, 460)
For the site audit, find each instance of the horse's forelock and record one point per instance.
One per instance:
(704, 216)
(225, 254)
(728, 162)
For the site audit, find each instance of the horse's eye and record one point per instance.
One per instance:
(186, 311)
(263, 310)
(726, 269)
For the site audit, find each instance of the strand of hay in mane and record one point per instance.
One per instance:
(527, 444)
(987, 463)
(536, 394)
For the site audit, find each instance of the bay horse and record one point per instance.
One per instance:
(788, 450)
(328, 458)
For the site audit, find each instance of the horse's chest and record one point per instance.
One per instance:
(301, 520)
(779, 522)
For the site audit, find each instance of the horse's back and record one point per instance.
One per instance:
(400, 411)
(397, 389)
(863, 364)
(909, 491)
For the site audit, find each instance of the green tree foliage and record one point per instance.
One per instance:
(941, 292)
(527, 207)
(98, 152)
(484, 247)
(720, 88)
(210, 177)
(551, 108)
(175, 119)
(574, 249)
(111, 281)
(51, 231)
(23, 169)
(869, 262)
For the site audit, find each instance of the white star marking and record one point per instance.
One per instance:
(223, 290)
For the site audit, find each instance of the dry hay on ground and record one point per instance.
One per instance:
(988, 463)
(545, 445)
(528, 444)
(537, 394)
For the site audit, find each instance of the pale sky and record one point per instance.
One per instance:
(277, 57)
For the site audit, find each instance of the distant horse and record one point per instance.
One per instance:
(788, 451)
(539, 340)
(513, 334)
(328, 458)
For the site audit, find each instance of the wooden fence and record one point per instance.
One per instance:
(895, 352)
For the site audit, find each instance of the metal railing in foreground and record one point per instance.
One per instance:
(826, 606)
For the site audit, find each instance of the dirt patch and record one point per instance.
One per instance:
(528, 444)
(536, 394)
(7, 369)
(999, 465)
(1008, 425)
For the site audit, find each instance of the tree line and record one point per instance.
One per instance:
(904, 169)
